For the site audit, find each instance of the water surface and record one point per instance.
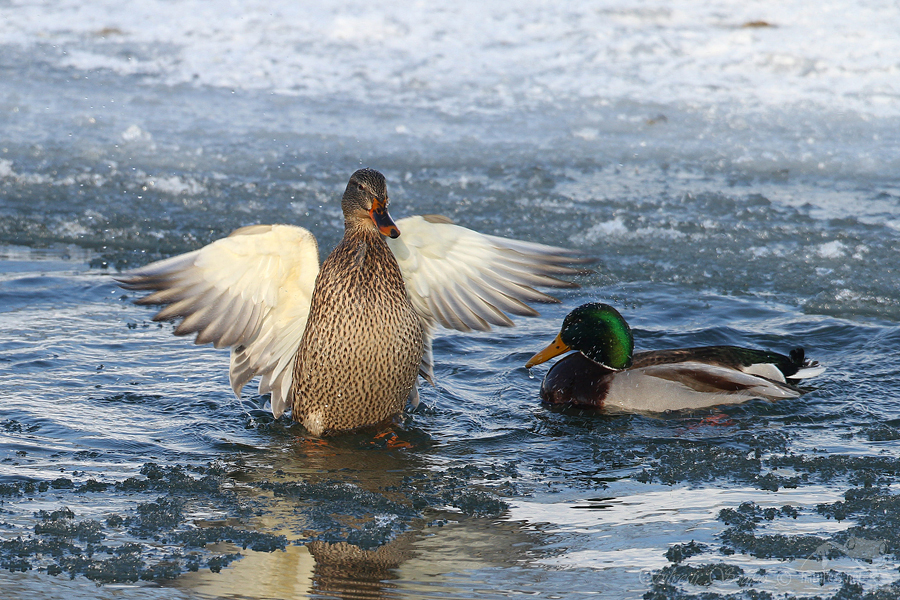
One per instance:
(737, 185)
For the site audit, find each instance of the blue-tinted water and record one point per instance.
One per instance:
(737, 185)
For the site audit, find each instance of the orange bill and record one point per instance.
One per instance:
(382, 219)
(555, 348)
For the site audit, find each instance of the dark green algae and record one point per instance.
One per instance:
(152, 537)
(156, 540)
(872, 508)
(874, 537)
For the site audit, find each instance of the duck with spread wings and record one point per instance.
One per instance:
(343, 345)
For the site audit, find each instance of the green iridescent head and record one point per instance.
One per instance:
(599, 332)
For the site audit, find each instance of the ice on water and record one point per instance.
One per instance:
(732, 164)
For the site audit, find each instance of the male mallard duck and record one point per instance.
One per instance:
(343, 345)
(605, 372)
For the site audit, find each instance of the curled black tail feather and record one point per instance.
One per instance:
(798, 358)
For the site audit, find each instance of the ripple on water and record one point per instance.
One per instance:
(147, 468)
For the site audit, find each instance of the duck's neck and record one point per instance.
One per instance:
(365, 258)
(365, 244)
(355, 225)
(600, 333)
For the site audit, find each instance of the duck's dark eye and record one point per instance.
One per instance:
(360, 187)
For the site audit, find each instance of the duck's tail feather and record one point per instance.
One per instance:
(805, 368)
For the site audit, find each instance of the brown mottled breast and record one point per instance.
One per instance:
(360, 354)
(577, 381)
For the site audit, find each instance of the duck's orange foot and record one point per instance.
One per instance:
(719, 420)
(313, 442)
(316, 446)
(390, 439)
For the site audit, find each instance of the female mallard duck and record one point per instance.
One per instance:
(605, 373)
(343, 345)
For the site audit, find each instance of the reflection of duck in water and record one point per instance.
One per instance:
(605, 372)
(391, 520)
(343, 346)
(348, 568)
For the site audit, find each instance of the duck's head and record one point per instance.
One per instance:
(596, 330)
(365, 202)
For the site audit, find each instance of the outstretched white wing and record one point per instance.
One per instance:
(466, 280)
(250, 290)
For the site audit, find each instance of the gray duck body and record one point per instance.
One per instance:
(577, 380)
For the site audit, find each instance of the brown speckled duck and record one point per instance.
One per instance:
(606, 373)
(343, 345)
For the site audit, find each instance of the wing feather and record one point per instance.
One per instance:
(466, 280)
(715, 379)
(225, 333)
(501, 303)
(479, 312)
(250, 290)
